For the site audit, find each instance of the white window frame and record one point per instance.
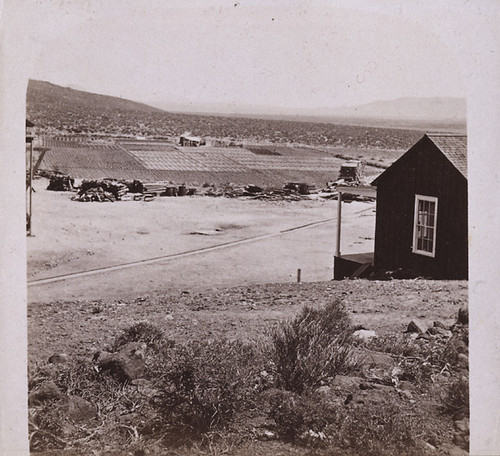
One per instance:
(434, 200)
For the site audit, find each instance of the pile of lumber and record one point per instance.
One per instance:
(61, 183)
(101, 190)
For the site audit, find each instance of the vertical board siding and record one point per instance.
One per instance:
(425, 171)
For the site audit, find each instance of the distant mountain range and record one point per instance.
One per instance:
(55, 109)
(431, 108)
(435, 108)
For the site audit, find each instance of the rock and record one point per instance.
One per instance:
(463, 360)
(127, 364)
(343, 382)
(452, 450)
(439, 324)
(443, 332)
(407, 386)
(416, 326)
(428, 446)
(364, 335)
(424, 336)
(461, 440)
(265, 434)
(59, 358)
(324, 390)
(463, 425)
(432, 331)
(47, 392)
(78, 409)
(366, 386)
(405, 393)
(463, 315)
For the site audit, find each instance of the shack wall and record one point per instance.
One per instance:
(424, 170)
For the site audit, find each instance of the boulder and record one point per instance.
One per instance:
(47, 392)
(78, 409)
(416, 326)
(463, 315)
(59, 358)
(127, 364)
(463, 360)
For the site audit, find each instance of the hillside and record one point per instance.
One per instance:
(55, 109)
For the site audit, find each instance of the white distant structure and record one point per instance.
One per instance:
(188, 140)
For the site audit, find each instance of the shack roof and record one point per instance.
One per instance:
(452, 146)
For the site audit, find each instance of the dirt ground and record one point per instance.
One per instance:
(74, 237)
(234, 291)
(85, 326)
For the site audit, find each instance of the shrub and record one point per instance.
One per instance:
(372, 430)
(456, 398)
(204, 385)
(298, 416)
(395, 344)
(312, 348)
(140, 332)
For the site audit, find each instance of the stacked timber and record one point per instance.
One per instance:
(61, 183)
(101, 190)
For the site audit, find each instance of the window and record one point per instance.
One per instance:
(424, 227)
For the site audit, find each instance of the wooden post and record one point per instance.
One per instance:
(339, 221)
(30, 194)
(298, 275)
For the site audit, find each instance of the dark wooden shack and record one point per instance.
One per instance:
(421, 222)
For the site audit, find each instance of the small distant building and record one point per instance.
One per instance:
(351, 171)
(188, 140)
(421, 221)
(421, 226)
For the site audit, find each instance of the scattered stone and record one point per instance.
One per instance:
(366, 386)
(345, 383)
(127, 364)
(47, 392)
(416, 326)
(463, 425)
(79, 410)
(59, 358)
(429, 446)
(324, 389)
(463, 315)
(439, 324)
(424, 336)
(444, 332)
(452, 450)
(265, 434)
(405, 393)
(364, 335)
(432, 331)
(463, 360)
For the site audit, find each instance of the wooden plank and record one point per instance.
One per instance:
(365, 190)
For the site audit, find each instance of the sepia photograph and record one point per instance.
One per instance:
(247, 228)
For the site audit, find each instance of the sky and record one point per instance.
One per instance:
(296, 55)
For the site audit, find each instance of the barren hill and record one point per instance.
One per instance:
(64, 110)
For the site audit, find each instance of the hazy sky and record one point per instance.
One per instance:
(276, 54)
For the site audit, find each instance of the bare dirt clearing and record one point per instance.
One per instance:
(74, 237)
